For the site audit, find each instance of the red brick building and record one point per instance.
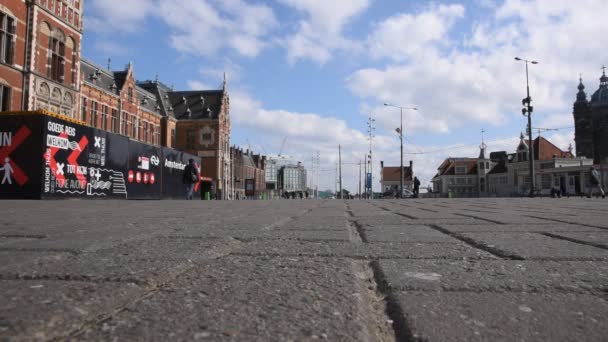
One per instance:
(249, 170)
(112, 101)
(41, 68)
(40, 54)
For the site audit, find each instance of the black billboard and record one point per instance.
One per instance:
(77, 162)
(45, 156)
(21, 155)
(173, 164)
(144, 171)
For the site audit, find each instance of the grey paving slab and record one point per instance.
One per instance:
(580, 219)
(596, 238)
(281, 234)
(495, 275)
(465, 316)
(362, 250)
(515, 218)
(303, 270)
(383, 220)
(42, 310)
(176, 248)
(98, 267)
(491, 227)
(12, 258)
(401, 233)
(537, 246)
(246, 299)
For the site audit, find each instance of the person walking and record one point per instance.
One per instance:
(190, 178)
(416, 187)
(595, 182)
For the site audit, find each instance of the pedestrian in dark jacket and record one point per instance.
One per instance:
(416, 187)
(190, 178)
(595, 182)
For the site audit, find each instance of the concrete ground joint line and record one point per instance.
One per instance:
(562, 221)
(492, 250)
(103, 317)
(372, 308)
(401, 326)
(480, 218)
(582, 242)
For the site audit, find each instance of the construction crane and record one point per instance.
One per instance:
(282, 145)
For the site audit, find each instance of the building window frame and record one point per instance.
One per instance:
(83, 109)
(104, 117)
(5, 98)
(57, 59)
(93, 113)
(114, 120)
(8, 28)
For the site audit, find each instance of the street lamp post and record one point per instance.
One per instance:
(400, 131)
(527, 110)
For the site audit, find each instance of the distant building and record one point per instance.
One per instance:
(390, 178)
(248, 174)
(591, 122)
(198, 122)
(291, 180)
(457, 176)
(501, 174)
(273, 165)
(283, 175)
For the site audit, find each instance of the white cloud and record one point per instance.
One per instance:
(209, 25)
(407, 35)
(206, 27)
(308, 133)
(107, 15)
(475, 79)
(321, 32)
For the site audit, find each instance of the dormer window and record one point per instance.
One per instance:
(460, 170)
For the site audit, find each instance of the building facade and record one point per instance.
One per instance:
(41, 68)
(40, 55)
(591, 122)
(248, 174)
(291, 180)
(503, 175)
(390, 178)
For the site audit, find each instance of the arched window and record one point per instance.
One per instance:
(57, 49)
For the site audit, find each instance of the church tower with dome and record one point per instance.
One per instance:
(591, 122)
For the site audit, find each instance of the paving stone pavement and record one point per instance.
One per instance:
(301, 270)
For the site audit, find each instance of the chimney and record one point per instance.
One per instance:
(382, 164)
(411, 169)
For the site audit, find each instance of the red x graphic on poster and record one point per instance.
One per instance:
(6, 151)
(73, 160)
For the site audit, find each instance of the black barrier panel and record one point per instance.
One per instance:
(107, 165)
(173, 163)
(144, 173)
(21, 156)
(83, 162)
(117, 160)
(66, 168)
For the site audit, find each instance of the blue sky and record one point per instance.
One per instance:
(313, 70)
